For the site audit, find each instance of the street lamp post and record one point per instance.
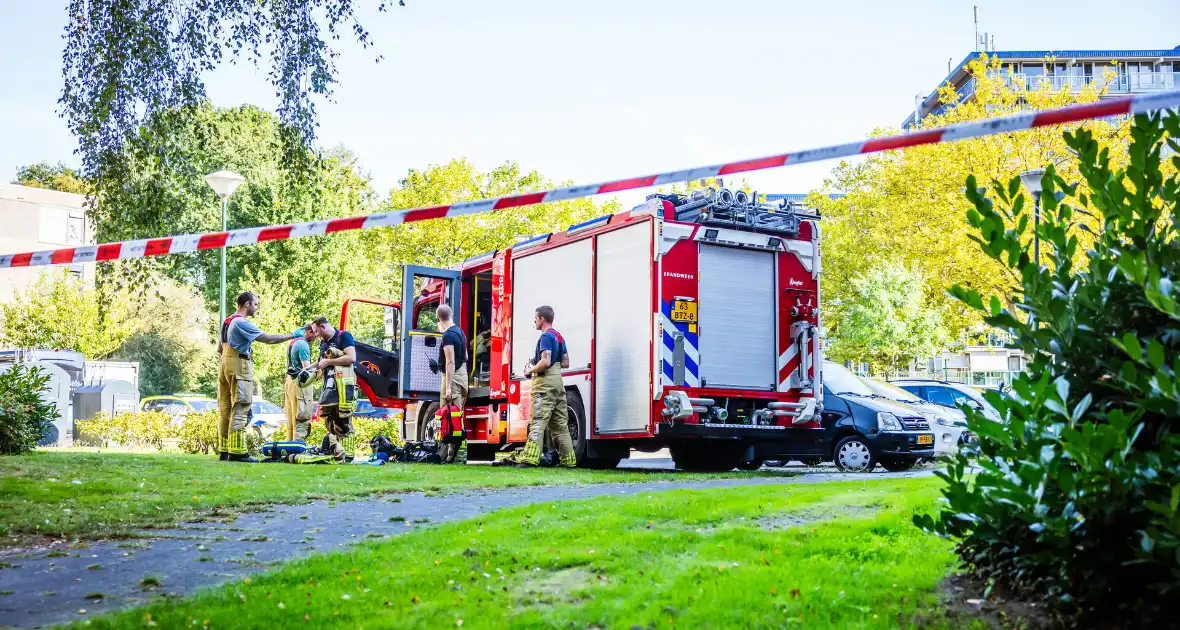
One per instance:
(224, 183)
(1032, 181)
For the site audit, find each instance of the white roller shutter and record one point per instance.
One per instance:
(736, 292)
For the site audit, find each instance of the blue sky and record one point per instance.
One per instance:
(594, 90)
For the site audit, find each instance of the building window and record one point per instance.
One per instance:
(1141, 75)
(76, 229)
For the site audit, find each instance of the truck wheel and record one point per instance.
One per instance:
(577, 429)
(852, 454)
(428, 423)
(750, 465)
(428, 428)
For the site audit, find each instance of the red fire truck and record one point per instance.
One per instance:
(691, 322)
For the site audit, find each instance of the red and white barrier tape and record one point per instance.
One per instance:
(247, 236)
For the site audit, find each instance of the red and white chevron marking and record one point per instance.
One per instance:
(248, 236)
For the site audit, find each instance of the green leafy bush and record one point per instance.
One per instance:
(198, 433)
(133, 428)
(24, 415)
(367, 428)
(1077, 500)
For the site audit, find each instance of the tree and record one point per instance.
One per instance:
(172, 344)
(907, 206)
(887, 320)
(62, 313)
(57, 177)
(443, 242)
(165, 193)
(127, 62)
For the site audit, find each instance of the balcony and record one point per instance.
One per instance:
(1119, 83)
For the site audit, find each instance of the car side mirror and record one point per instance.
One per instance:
(974, 404)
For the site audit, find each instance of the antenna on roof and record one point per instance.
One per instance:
(975, 13)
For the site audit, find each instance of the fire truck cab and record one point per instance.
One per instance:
(692, 323)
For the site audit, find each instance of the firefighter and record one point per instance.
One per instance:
(298, 395)
(235, 381)
(338, 397)
(549, 410)
(452, 361)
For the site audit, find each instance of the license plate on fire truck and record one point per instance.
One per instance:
(925, 439)
(684, 311)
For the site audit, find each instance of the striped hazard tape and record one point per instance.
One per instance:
(247, 236)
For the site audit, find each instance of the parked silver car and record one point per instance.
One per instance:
(949, 395)
(948, 423)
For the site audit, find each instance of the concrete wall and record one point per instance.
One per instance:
(34, 219)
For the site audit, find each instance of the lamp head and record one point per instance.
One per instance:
(1032, 180)
(224, 183)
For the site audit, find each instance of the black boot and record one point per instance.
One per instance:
(244, 458)
(223, 456)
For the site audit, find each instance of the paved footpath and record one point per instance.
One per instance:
(46, 588)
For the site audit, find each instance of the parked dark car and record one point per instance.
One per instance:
(867, 429)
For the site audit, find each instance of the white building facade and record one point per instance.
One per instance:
(35, 219)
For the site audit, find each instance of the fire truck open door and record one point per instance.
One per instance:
(423, 289)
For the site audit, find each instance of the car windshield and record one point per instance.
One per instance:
(203, 405)
(843, 382)
(263, 406)
(891, 391)
(364, 405)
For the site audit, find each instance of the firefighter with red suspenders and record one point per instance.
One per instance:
(235, 380)
(548, 391)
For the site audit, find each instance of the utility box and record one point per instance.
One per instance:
(111, 397)
(57, 393)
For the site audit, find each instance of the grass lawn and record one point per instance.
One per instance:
(89, 494)
(838, 555)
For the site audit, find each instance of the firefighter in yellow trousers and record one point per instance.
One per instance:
(338, 397)
(548, 391)
(298, 394)
(235, 380)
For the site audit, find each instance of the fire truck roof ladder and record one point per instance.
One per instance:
(728, 209)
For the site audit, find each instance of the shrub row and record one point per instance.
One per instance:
(198, 432)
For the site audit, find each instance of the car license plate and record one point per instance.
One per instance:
(684, 311)
(925, 439)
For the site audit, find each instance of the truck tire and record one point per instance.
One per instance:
(705, 458)
(427, 423)
(578, 429)
(428, 430)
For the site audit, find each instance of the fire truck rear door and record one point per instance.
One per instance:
(419, 334)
